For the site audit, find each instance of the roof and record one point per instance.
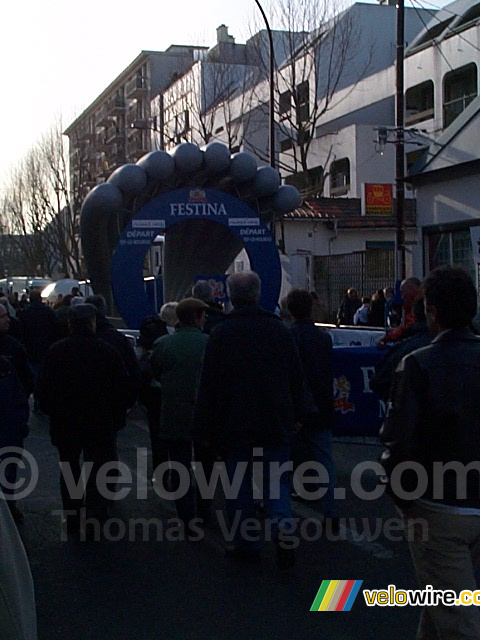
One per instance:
(448, 20)
(348, 213)
(456, 147)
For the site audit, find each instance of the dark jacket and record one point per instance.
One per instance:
(435, 416)
(107, 332)
(376, 313)
(40, 329)
(14, 407)
(347, 309)
(251, 387)
(381, 381)
(82, 384)
(316, 352)
(215, 315)
(15, 352)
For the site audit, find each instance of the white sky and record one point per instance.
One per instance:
(56, 57)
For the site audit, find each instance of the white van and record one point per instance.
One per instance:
(22, 284)
(65, 286)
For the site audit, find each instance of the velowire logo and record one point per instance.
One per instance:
(336, 595)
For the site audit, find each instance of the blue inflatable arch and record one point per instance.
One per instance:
(184, 205)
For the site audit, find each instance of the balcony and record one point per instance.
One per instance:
(138, 144)
(101, 143)
(137, 87)
(101, 118)
(114, 134)
(115, 106)
(90, 180)
(85, 136)
(91, 152)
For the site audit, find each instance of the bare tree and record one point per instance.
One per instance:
(63, 228)
(25, 215)
(318, 53)
(198, 105)
(39, 214)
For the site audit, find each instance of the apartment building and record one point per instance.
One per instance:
(118, 126)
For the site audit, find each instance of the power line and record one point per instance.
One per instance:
(438, 20)
(435, 43)
(437, 8)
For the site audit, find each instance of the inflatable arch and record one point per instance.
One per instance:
(207, 204)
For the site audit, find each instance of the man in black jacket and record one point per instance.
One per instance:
(14, 351)
(315, 436)
(249, 399)
(82, 385)
(39, 330)
(107, 332)
(432, 432)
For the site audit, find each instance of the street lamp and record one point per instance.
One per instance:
(272, 86)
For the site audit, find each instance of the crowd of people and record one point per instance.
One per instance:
(235, 387)
(381, 309)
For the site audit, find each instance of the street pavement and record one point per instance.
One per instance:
(132, 586)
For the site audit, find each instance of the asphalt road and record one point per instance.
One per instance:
(135, 587)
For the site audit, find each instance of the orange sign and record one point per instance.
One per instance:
(378, 200)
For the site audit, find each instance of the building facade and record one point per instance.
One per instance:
(118, 126)
(442, 69)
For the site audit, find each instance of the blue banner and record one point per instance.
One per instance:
(358, 410)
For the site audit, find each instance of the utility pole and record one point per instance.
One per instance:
(400, 144)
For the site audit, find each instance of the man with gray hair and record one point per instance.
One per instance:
(203, 290)
(249, 399)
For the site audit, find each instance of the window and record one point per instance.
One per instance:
(303, 136)
(470, 16)
(411, 158)
(182, 125)
(450, 247)
(285, 104)
(434, 31)
(286, 144)
(340, 177)
(419, 103)
(303, 102)
(459, 89)
(308, 182)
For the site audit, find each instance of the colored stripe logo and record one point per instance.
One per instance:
(336, 595)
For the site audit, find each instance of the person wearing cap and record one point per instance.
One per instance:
(176, 362)
(82, 384)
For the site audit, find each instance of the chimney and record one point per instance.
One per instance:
(223, 36)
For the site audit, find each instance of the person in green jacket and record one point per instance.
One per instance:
(176, 361)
